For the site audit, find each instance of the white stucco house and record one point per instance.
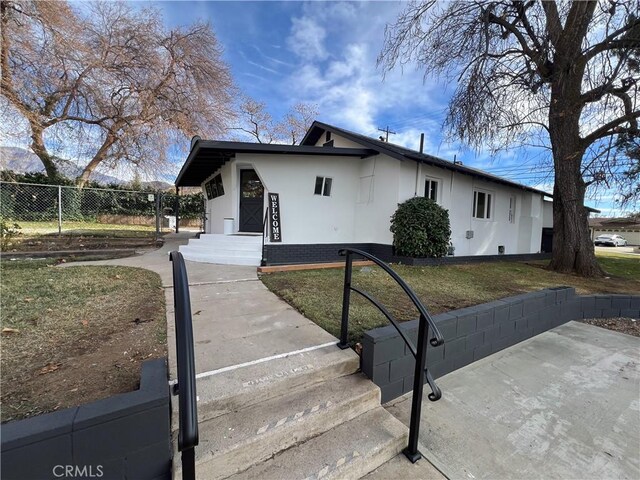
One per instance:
(339, 188)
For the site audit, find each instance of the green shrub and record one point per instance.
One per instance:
(8, 230)
(421, 228)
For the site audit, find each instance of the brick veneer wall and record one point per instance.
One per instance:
(127, 435)
(476, 332)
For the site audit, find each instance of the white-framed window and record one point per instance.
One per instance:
(512, 209)
(482, 204)
(431, 188)
(323, 186)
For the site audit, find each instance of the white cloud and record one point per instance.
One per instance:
(337, 71)
(307, 39)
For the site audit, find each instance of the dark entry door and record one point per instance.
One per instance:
(547, 240)
(251, 201)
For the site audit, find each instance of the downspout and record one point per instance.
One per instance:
(415, 193)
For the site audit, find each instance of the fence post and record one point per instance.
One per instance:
(59, 210)
(157, 215)
(177, 208)
(204, 215)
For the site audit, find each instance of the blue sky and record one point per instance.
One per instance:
(324, 53)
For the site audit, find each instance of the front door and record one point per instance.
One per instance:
(251, 201)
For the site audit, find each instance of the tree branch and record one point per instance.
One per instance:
(553, 24)
(612, 128)
(610, 42)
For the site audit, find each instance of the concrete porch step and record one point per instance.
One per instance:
(225, 250)
(236, 239)
(241, 247)
(234, 442)
(348, 451)
(230, 390)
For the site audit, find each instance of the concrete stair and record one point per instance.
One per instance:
(307, 415)
(224, 249)
(348, 451)
(235, 390)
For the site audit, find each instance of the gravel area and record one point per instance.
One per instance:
(630, 326)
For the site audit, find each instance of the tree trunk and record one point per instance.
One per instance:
(38, 147)
(83, 178)
(100, 155)
(573, 249)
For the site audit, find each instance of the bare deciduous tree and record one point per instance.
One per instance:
(257, 122)
(112, 76)
(296, 122)
(525, 67)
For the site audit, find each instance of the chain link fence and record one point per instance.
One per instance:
(45, 210)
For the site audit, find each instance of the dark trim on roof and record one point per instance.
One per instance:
(207, 156)
(402, 153)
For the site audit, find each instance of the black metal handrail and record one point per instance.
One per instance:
(419, 352)
(186, 386)
(263, 261)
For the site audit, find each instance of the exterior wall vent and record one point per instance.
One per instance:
(469, 234)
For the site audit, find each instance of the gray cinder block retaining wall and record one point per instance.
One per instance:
(123, 436)
(475, 332)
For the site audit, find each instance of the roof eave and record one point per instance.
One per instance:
(192, 153)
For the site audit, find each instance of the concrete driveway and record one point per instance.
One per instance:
(564, 404)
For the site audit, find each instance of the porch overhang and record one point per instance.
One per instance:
(207, 156)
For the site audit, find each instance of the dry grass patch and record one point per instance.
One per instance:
(74, 335)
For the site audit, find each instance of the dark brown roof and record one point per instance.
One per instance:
(401, 153)
(632, 222)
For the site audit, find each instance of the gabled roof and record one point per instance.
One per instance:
(317, 129)
(207, 156)
(632, 222)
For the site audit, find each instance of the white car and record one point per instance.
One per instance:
(610, 240)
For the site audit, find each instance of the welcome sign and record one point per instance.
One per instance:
(274, 218)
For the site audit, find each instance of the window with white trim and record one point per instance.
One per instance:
(323, 186)
(482, 207)
(431, 187)
(512, 209)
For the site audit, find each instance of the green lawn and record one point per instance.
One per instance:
(89, 229)
(317, 294)
(75, 334)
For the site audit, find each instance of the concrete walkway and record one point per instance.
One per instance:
(564, 404)
(236, 319)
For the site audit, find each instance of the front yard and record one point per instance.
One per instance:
(74, 335)
(44, 237)
(317, 294)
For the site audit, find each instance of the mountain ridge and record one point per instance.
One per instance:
(21, 160)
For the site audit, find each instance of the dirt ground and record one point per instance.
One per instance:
(75, 335)
(53, 243)
(630, 326)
